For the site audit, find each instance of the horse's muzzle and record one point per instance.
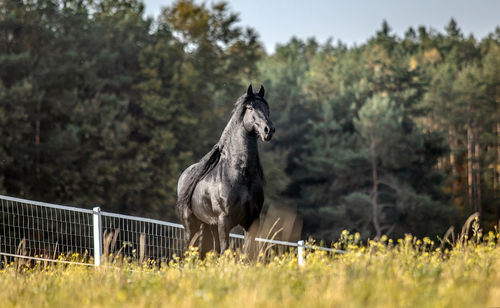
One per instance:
(268, 132)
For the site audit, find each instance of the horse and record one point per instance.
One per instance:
(225, 188)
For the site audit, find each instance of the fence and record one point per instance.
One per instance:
(43, 231)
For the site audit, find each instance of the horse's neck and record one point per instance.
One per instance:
(240, 150)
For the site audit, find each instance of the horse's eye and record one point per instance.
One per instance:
(249, 107)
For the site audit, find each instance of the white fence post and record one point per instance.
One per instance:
(97, 235)
(301, 245)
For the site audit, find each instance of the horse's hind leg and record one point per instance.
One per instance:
(191, 228)
(215, 235)
(206, 240)
(209, 239)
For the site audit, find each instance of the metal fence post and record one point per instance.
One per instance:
(97, 235)
(301, 245)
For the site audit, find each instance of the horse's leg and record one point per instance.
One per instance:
(215, 234)
(223, 227)
(249, 244)
(191, 228)
(206, 240)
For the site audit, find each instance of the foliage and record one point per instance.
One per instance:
(105, 107)
(100, 105)
(378, 140)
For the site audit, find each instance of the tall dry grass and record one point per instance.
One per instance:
(407, 272)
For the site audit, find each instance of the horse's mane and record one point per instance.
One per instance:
(212, 158)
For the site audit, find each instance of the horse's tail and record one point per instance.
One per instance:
(199, 170)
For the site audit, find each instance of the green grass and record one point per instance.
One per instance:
(405, 273)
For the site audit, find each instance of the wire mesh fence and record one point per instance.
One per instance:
(45, 230)
(40, 230)
(144, 238)
(141, 238)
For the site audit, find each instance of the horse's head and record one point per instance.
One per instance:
(257, 118)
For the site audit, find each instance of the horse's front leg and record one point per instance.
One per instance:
(223, 227)
(250, 247)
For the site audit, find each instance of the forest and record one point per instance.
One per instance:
(101, 105)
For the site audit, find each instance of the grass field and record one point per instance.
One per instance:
(405, 273)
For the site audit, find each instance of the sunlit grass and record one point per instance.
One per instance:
(408, 272)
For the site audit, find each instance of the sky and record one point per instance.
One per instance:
(353, 21)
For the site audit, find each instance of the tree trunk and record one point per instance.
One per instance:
(452, 134)
(470, 177)
(477, 172)
(496, 173)
(497, 164)
(493, 149)
(375, 209)
(37, 150)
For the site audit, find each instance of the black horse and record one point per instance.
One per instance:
(224, 189)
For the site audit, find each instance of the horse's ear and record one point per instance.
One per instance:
(250, 90)
(261, 91)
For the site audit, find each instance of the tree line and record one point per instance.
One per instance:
(100, 105)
